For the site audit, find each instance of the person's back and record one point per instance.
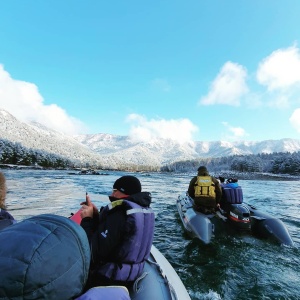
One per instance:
(205, 190)
(121, 236)
(231, 193)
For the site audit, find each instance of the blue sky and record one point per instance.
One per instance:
(186, 70)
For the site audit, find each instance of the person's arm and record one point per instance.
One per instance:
(89, 225)
(89, 217)
(191, 189)
(88, 208)
(218, 190)
(104, 235)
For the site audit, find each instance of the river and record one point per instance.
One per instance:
(231, 267)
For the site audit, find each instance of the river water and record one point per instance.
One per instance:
(231, 267)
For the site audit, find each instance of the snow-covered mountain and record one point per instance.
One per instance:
(117, 151)
(162, 151)
(37, 136)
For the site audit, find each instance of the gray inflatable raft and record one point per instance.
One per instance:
(159, 281)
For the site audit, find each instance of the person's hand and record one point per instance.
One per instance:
(88, 208)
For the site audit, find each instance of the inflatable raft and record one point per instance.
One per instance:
(233, 217)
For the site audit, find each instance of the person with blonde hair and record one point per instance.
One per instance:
(2, 190)
(6, 218)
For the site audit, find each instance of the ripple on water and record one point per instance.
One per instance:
(232, 267)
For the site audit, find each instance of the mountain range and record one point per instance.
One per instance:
(114, 151)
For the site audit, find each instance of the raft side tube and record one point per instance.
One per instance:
(201, 225)
(273, 229)
(268, 227)
(195, 223)
(182, 208)
(171, 275)
(159, 281)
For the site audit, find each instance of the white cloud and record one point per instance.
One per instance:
(234, 132)
(295, 119)
(228, 86)
(23, 100)
(180, 130)
(280, 70)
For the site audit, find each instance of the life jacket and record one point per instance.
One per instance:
(232, 194)
(205, 193)
(136, 242)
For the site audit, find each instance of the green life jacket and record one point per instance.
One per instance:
(205, 193)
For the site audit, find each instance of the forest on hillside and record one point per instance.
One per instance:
(275, 163)
(15, 154)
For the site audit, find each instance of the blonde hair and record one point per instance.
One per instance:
(2, 191)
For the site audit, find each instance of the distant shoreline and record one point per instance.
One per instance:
(259, 176)
(225, 174)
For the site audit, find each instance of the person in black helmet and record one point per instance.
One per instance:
(120, 235)
(205, 190)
